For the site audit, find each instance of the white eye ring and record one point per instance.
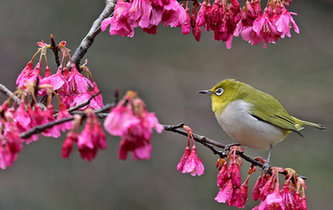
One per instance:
(219, 91)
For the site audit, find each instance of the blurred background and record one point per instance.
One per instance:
(167, 70)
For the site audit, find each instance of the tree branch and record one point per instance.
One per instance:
(93, 32)
(8, 93)
(39, 128)
(209, 143)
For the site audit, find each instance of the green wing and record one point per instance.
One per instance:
(268, 109)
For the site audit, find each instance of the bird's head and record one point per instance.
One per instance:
(224, 93)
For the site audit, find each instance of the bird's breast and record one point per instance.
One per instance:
(237, 121)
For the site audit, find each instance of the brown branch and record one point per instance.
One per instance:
(8, 93)
(93, 32)
(209, 143)
(55, 51)
(39, 128)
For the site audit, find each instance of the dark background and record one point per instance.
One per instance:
(167, 70)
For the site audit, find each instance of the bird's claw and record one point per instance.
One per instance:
(266, 167)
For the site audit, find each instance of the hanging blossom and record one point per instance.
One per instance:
(225, 18)
(291, 196)
(16, 119)
(11, 143)
(131, 120)
(147, 14)
(27, 111)
(190, 163)
(274, 23)
(89, 141)
(231, 190)
(72, 87)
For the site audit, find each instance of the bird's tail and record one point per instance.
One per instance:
(300, 123)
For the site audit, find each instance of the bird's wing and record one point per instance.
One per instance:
(268, 109)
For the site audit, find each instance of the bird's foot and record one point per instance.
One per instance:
(266, 167)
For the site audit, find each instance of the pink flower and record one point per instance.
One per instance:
(196, 31)
(284, 20)
(57, 80)
(193, 164)
(119, 120)
(130, 120)
(174, 14)
(186, 26)
(10, 141)
(133, 141)
(183, 160)
(63, 113)
(288, 197)
(67, 146)
(139, 13)
(77, 82)
(49, 117)
(231, 190)
(225, 193)
(119, 21)
(22, 117)
(24, 75)
(201, 16)
(91, 138)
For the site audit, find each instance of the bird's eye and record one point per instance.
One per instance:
(219, 91)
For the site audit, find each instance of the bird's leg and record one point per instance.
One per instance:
(266, 165)
(227, 148)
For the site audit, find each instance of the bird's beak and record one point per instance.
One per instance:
(205, 92)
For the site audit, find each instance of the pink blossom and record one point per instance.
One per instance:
(67, 146)
(273, 200)
(231, 190)
(284, 21)
(139, 13)
(49, 117)
(119, 120)
(37, 115)
(186, 26)
(91, 138)
(10, 141)
(24, 75)
(201, 16)
(135, 143)
(119, 21)
(174, 14)
(22, 117)
(130, 120)
(57, 80)
(77, 82)
(287, 197)
(196, 31)
(225, 193)
(183, 160)
(193, 164)
(63, 113)
(95, 103)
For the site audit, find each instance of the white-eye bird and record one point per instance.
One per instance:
(253, 118)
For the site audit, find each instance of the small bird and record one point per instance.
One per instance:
(253, 118)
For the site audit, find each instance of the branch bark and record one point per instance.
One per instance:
(93, 32)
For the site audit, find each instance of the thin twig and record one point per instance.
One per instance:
(8, 93)
(93, 32)
(39, 128)
(55, 51)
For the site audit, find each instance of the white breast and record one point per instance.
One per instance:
(247, 130)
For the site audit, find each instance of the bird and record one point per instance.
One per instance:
(251, 117)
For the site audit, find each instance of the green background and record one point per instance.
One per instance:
(167, 70)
